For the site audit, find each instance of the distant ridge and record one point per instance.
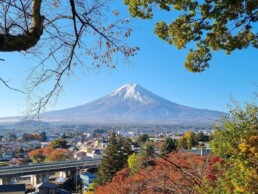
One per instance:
(132, 103)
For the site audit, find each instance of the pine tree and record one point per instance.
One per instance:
(114, 159)
(168, 146)
(143, 139)
(147, 154)
(126, 149)
(43, 136)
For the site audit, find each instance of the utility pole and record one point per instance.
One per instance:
(76, 178)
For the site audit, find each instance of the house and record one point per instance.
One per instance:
(13, 189)
(52, 137)
(104, 144)
(95, 154)
(79, 155)
(25, 146)
(86, 149)
(8, 155)
(89, 143)
(35, 144)
(44, 144)
(48, 188)
(51, 188)
(15, 161)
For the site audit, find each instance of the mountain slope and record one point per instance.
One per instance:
(132, 103)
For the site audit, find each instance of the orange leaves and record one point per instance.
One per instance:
(47, 150)
(48, 154)
(57, 155)
(35, 152)
(36, 155)
(249, 145)
(164, 177)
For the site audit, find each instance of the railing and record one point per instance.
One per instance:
(25, 169)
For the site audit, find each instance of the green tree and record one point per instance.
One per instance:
(236, 141)
(188, 140)
(202, 137)
(59, 143)
(191, 140)
(126, 149)
(168, 146)
(142, 139)
(148, 149)
(12, 137)
(147, 154)
(43, 136)
(19, 152)
(25, 137)
(213, 25)
(113, 160)
(182, 143)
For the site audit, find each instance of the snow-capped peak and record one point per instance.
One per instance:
(132, 103)
(133, 91)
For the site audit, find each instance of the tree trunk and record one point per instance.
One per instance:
(28, 39)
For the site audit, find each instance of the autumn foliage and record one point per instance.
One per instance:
(179, 173)
(36, 155)
(58, 155)
(48, 154)
(231, 169)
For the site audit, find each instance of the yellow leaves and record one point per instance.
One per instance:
(180, 43)
(177, 7)
(253, 173)
(247, 183)
(240, 189)
(88, 192)
(239, 165)
(243, 147)
(250, 146)
(237, 142)
(188, 134)
(254, 150)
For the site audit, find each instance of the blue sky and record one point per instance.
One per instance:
(158, 67)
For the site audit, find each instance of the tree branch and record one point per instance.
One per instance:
(28, 39)
(7, 85)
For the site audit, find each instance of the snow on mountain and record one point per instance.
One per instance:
(132, 103)
(133, 91)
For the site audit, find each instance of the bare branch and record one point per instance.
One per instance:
(76, 34)
(8, 86)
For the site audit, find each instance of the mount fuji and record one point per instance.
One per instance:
(132, 103)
